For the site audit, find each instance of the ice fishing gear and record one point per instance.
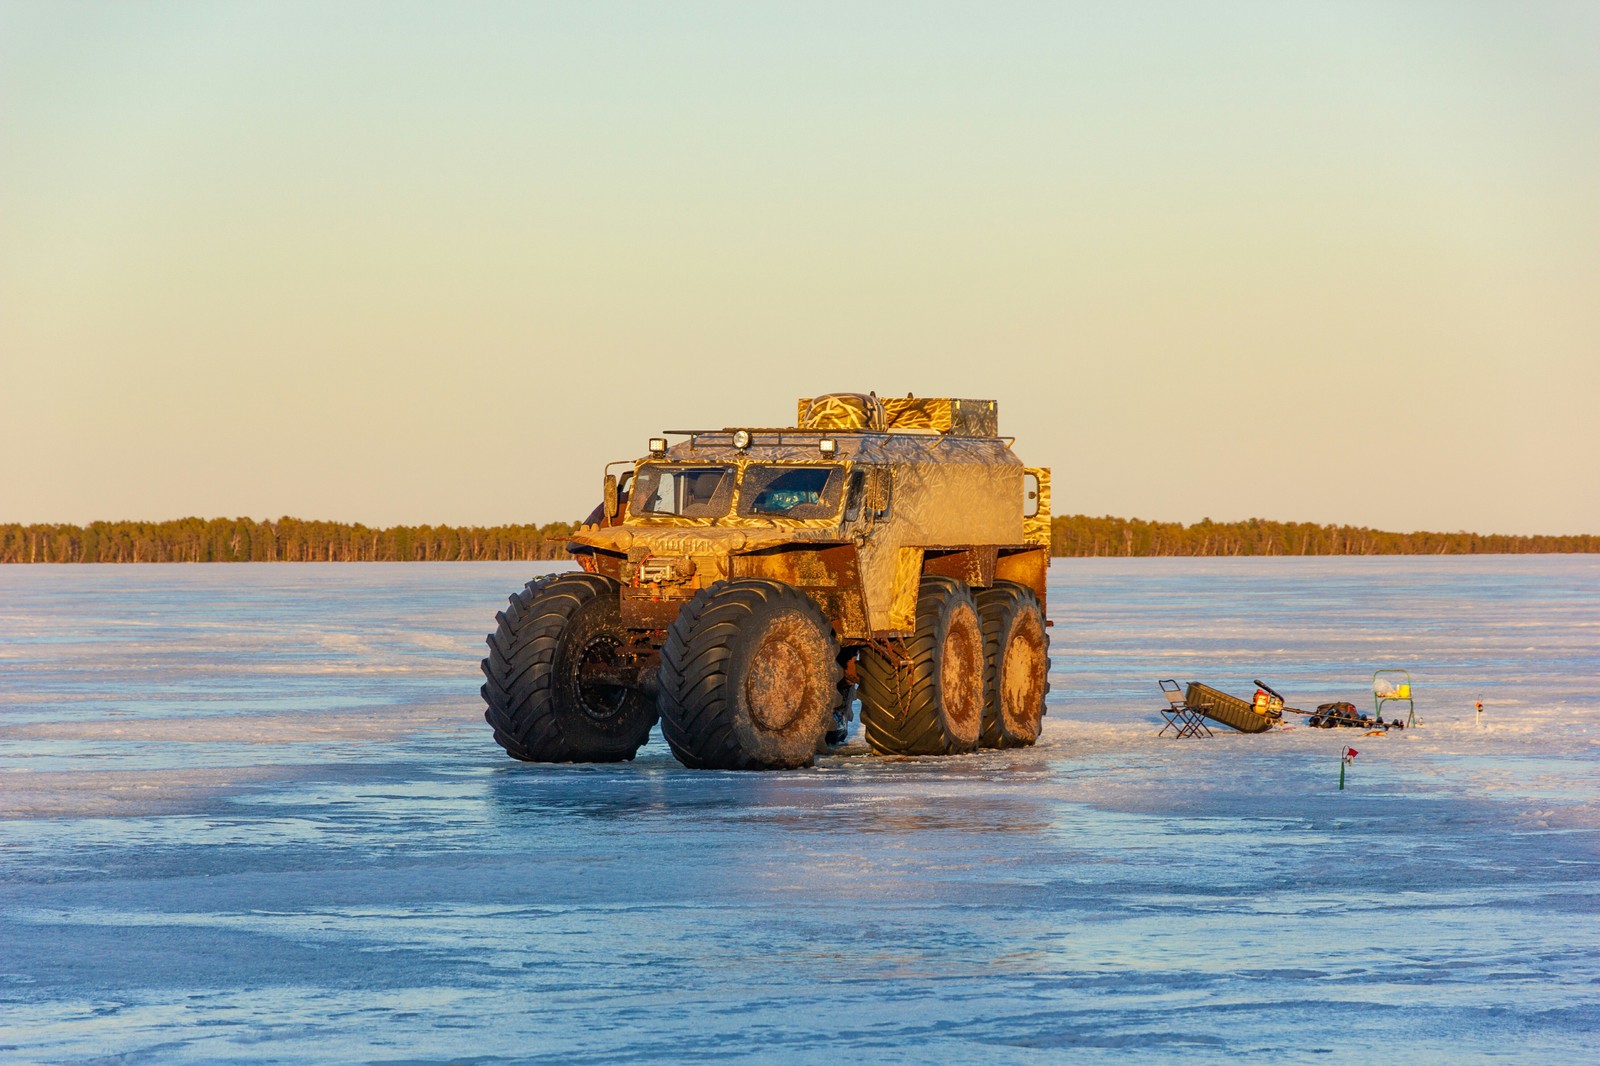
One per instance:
(1346, 757)
(1244, 715)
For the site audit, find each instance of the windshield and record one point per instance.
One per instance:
(685, 491)
(791, 491)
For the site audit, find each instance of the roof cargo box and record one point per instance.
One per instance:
(959, 418)
(935, 414)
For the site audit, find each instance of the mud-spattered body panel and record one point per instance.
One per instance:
(914, 498)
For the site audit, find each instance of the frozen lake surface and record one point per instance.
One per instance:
(251, 813)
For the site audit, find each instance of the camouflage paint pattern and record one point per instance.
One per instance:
(843, 411)
(1036, 530)
(907, 583)
(847, 411)
(947, 491)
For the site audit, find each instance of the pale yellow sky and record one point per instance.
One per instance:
(427, 262)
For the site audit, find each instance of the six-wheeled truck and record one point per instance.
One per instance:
(745, 586)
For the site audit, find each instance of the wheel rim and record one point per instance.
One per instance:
(1022, 677)
(600, 698)
(780, 678)
(961, 674)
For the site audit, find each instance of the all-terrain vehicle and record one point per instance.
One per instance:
(745, 585)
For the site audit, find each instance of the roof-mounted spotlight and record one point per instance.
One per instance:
(741, 439)
(658, 447)
(828, 447)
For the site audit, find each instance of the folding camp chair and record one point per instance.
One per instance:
(1182, 719)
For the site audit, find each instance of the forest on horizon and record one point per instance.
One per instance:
(234, 540)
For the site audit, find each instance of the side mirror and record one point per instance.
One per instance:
(608, 496)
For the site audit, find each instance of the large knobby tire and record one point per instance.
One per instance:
(924, 695)
(555, 662)
(1016, 665)
(749, 678)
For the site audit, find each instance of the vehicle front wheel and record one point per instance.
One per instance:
(749, 678)
(561, 676)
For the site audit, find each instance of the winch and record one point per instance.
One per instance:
(663, 570)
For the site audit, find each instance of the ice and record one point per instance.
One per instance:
(250, 813)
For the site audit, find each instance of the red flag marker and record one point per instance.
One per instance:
(1346, 757)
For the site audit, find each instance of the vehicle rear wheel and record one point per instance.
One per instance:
(749, 678)
(924, 695)
(1016, 665)
(560, 675)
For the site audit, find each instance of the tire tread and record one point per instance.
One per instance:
(522, 704)
(900, 708)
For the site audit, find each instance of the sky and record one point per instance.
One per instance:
(406, 263)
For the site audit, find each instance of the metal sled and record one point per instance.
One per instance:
(1233, 712)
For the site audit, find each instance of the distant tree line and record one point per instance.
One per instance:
(241, 540)
(1081, 535)
(246, 540)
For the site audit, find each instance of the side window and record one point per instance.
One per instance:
(880, 491)
(1030, 495)
(852, 499)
